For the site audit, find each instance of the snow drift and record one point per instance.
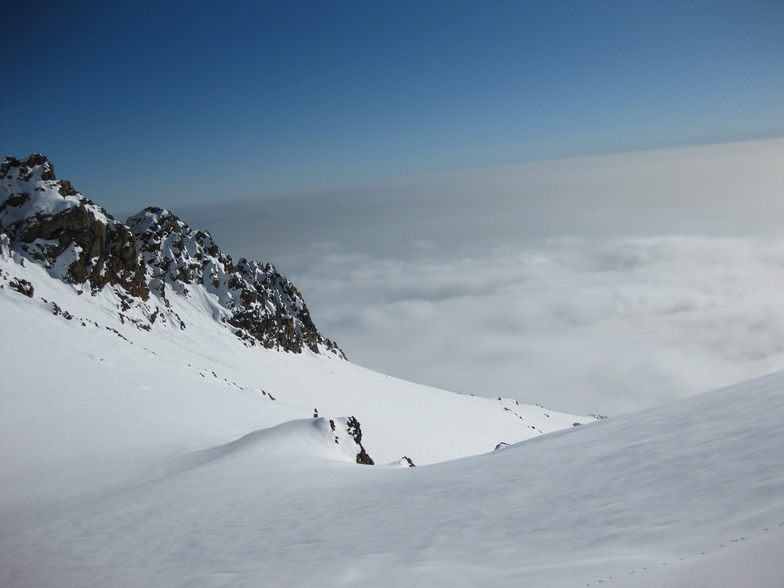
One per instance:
(147, 442)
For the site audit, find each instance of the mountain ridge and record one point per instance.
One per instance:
(181, 297)
(131, 461)
(146, 444)
(150, 257)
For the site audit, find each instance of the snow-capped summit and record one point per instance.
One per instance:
(159, 285)
(145, 444)
(259, 303)
(146, 261)
(35, 168)
(77, 241)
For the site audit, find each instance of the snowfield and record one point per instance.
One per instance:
(147, 459)
(148, 454)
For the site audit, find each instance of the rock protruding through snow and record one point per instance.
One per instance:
(261, 304)
(302, 439)
(75, 239)
(147, 260)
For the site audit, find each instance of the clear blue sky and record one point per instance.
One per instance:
(169, 103)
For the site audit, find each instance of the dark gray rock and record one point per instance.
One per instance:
(263, 306)
(50, 223)
(100, 249)
(355, 431)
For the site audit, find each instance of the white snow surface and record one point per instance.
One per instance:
(159, 458)
(46, 199)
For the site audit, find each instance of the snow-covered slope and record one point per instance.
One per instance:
(145, 441)
(143, 263)
(156, 285)
(141, 463)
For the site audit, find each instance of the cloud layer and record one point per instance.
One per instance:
(597, 285)
(576, 324)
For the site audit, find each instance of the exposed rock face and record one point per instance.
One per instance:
(22, 286)
(59, 228)
(262, 305)
(147, 260)
(346, 431)
(352, 425)
(26, 169)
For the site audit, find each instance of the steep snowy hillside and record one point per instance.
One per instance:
(192, 320)
(170, 418)
(132, 460)
(49, 223)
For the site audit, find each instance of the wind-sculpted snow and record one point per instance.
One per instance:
(141, 459)
(145, 444)
(301, 440)
(49, 223)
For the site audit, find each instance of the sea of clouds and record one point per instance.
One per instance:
(592, 285)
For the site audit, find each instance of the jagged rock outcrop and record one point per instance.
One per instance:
(261, 304)
(353, 428)
(74, 238)
(147, 260)
(27, 168)
(349, 428)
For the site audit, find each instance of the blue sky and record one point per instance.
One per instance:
(393, 159)
(172, 103)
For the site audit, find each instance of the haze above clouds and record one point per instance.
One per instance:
(600, 284)
(551, 280)
(156, 103)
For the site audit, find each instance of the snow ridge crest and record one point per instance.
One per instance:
(148, 260)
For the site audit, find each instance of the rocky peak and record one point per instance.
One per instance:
(52, 224)
(36, 168)
(260, 304)
(152, 257)
(174, 252)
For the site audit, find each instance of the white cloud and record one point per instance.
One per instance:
(592, 285)
(580, 325)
